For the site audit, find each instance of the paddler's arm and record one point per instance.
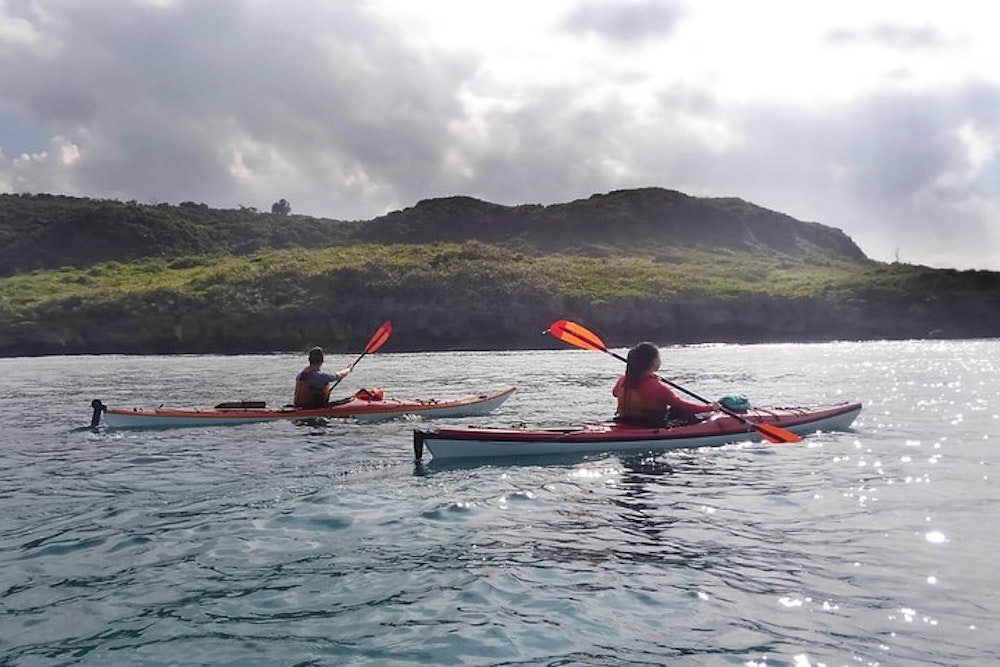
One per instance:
(678, 404)
(715, 406)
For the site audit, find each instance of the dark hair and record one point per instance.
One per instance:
(640, 360)
(316, 355)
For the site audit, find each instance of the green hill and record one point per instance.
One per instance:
(50, 232)
(646, 221)
(93, 276)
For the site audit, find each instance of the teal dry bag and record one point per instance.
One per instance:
(735, 402)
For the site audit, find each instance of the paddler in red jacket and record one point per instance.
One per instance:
(312, 386)
(644, 399)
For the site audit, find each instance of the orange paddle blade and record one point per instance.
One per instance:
(578, 335)
(776, 434)
(379, 338)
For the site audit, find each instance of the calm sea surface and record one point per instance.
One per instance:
(282, 544)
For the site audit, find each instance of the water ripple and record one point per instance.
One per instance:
(310, 545)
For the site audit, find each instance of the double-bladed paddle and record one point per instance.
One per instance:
(580, 336)
(377, 340)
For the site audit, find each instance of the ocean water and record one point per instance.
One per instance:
(283, 544)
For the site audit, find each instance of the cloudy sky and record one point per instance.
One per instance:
(880, 117)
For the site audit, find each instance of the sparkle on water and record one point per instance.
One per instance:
(325, 544)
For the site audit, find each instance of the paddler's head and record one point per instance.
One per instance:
(643, 360)
(316, 356)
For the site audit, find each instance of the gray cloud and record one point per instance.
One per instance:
(625, 21)
(159, 98)
(334, 108)
(890, 35)
(892, 170)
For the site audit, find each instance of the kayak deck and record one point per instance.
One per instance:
(253, 412)
(720, 429)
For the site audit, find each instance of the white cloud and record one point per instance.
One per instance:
(48, 170)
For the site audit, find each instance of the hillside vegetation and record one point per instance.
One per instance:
(455, 273)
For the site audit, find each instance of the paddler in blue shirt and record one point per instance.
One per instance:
(312, 386)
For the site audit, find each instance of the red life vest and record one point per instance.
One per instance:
(634, 409)
(643, 405)
(371, 395)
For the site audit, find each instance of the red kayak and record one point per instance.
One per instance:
(720, 429)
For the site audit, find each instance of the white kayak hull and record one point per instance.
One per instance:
(471, 406)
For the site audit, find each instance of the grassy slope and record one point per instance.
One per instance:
(393, 267)
(475, 295)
